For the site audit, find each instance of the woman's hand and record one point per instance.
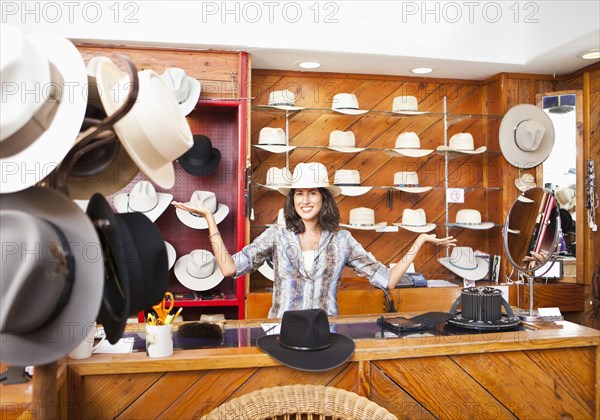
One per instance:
(200, 211)
(535, 256)
(447, 242)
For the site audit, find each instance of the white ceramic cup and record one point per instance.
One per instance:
(159, 340)
(86, 347)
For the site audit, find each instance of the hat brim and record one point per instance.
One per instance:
(511, 152)
(477, 151)
(370, 227)
(523, 186)
(411, 152)
(164, 200)
(191, 101)
(201, 170)
(276, 149)
(346, 149)
(267, 271)
(333, 190)
(350, 111)
(200, 222)
(476, 274)
(338, 353)
(61, 336)
(286, 107)
(171, 254)
(272, 187)
(413, 190)
(48, 150)
(410, 112)
(428, 227)
(481, 226)
(195, 283)
(355, 191)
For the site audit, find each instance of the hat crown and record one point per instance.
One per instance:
(468, 216)
(565, 197)
(463, 257)
(529, 134)
(347, 177)
(279, 176)
(345, 101)
(462, 141)
(404, 178)
(405, 103)
(201, 150)
(362, 216)
(305, 330)
(271, 136)
(143, 197)
(342, 139)
(310, 175)
(408, 140)
(177, 82)
(201, 264)
(32, 282)
(206, 199)
(282, 97)
(414, 217)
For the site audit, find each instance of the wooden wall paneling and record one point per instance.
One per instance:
(513, 377)
(347, 378)
(568, 297)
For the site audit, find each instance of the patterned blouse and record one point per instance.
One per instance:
(293, 287)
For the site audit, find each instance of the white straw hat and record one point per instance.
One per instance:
(154, 132)
(415, 221)
(40, 121)
(408, 144)
(171, 254)
(283, 99)
(343, 141)
(277, 177)
(205, 199)
(184, 88)
(408, 182)
(311, 175)
(198, 270)
(273, 140)
(525, 182)
(526, 136)
(346, 103)
(471, 219)
(349, 181)
(463, 262)
(566, 198)
(407, 105)
(363, 218)
(143, 198)
(462, 143)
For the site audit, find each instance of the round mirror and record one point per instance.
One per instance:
(532, 230)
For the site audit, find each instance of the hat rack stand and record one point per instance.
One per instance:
(97, 135)
(44, 389)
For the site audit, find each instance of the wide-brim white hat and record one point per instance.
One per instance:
(477, 151)
(267, 270)
(364, 227)
(171, 79)
(508, 143)
(121, 202)
(196, 283)
(154, 132)
(478, 226)
(471, 219)
(427, 227)
(32, 164)
(354, 191)
(346, 149)
(525, 182)
(478, 269)
(275, 148)
(310, 175)
(349, 111)
(197, 222)
(413, 190)
(171, 254)
(412, 152)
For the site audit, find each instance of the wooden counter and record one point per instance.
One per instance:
(533, 373)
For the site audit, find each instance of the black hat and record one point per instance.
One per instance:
(305, 342)
(135, 261)
(202, 159)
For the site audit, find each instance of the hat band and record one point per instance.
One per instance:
(361, 224)
(422, 225)
(406, 185)
(40, 121)
(287, 346)
(515, 137)
(272, 144)
(140, 211)
(347, 107)
(195, 161)
(463, 268)
(469, 223)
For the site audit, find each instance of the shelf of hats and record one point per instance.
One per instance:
(396, 158)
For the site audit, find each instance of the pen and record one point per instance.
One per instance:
(169, 319)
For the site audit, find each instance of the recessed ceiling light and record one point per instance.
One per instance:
(422, 70)
(306, 64)
(590, 54)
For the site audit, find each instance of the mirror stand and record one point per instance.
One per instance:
(528, 315)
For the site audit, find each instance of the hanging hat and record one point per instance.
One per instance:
(277, 177)
(273, 140)
(408, 182)
(202, 159)
(526, 136)
(415, 221)
(343, 141)
(43, 82)
(462, 143)
(310, 175)
(143, 198)
(154, 132)
(408, 144)
(363, 218)
(267, 270)
(280, 221)
(184, 88)
(471, 219)
(283, 99)
(137, 271)
(198, 270)
(205, 199)
(566, 198)
(306, 343)
(407, 105)
(171, 254)
(525, 182)
(48, 297)
(349, 181)
(465, 264)
(347, 103)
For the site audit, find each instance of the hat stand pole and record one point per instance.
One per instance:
(531, 314)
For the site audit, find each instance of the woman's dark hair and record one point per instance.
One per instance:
(329, 217)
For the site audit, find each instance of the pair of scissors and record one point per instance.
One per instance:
(151, 320)
(165, 307)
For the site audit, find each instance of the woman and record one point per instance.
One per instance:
(309, 254)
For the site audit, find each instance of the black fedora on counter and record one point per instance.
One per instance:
(202, 159)
(305, 342)
(136, 264)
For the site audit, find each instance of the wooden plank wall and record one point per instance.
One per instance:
(519, 384)
(312, 128)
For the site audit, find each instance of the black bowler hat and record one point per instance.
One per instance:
(202, 159)
(305, 342)
(135, 262)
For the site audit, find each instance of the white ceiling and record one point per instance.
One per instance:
(459, 39)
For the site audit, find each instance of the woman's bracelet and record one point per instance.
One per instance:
(217, 233)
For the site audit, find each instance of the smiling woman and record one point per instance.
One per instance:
(309, 253)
